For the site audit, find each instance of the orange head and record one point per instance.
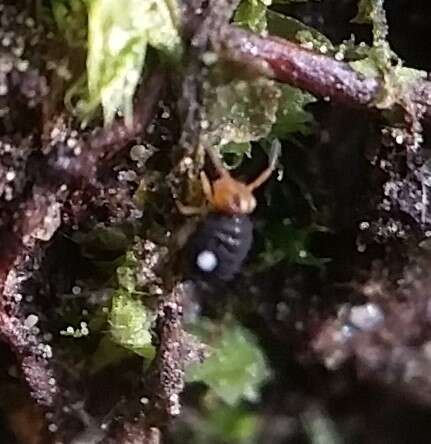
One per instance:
(230, 196)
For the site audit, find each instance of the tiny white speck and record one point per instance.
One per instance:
(71, 143)
(364, 225)
(10, 176)
(31, 321)
(207, 261)
(52, 428)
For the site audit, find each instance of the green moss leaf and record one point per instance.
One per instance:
(107, 353)
(233, 154)
(291, 114)
(118, 35)
(284, 241)
(236, 424)
(126, 273)
(380, 60)
(404, 75)
(256, 15)
(71, 19)
(130, 322)
(372, 12)
(407, 76)
(251, 14)
(130, 319)
(366, 66)
(226, 424)
(236, 368)
(293, 29)
(396, 79)
(241, 111)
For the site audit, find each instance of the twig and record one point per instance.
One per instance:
(316, 73)
(166, 380)
(108, 141)
(207, 33)
(19, 249)
(80, 170)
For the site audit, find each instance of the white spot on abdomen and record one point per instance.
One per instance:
(207, 261)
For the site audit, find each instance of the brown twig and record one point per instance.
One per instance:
(207, 28)
(316, 73)
(166, 379)
(107, 141)
(20, 248)
(79, 170)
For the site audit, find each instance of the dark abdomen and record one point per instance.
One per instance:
(227, 239)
